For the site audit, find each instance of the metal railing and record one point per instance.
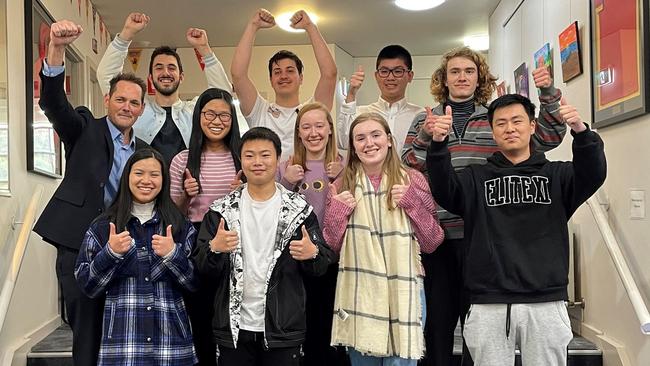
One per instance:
(18, 253)
(620, 264)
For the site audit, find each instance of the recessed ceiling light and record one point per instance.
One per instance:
(418, 4)
(480, 42)
(284, 21)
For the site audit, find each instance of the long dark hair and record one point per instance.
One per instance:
(120, 211)
(197, 141)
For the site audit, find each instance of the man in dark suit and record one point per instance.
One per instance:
(96, 151)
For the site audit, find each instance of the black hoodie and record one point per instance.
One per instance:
(516, 218)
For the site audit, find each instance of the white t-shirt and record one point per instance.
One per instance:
(281, 120)
(259, 222)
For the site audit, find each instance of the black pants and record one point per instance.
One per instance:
(446, 302)
(200, 310)
(250, 352)
(84, 314)
(320, 312)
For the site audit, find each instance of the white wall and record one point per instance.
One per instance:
(35, 302)
(608, 318)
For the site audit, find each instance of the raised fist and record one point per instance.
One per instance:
(64, 32)
(134, 23)
(263, 19)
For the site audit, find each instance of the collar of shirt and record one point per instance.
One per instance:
(177, 106)
(400, 104)
(116, 135)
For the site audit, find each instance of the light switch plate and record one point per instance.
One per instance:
(637, 204)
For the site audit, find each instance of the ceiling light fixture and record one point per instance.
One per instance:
(479, 42)
(284, 21)
(417, 5)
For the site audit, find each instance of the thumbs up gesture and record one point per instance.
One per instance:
(344, 197)
(224, 241)
(304, 248)
(294, 173)
(190, 185)
(571, 117)
(333, 169)
(236, 182)
(163, 245)
(119, 243)
(542, 77)
(397, 192)
(356, 80)
(438, 126)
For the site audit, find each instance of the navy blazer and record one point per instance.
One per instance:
(89, 158)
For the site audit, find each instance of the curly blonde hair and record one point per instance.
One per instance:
(486, 81)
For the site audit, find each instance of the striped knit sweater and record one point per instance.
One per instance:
(476, 144)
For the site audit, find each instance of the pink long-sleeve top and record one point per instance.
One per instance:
(417, 202)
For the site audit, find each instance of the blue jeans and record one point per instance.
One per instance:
(359, 359)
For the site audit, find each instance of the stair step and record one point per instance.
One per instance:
(56, 350)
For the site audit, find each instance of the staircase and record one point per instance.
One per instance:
(56, 350)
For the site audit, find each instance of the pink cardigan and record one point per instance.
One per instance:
(417, 202)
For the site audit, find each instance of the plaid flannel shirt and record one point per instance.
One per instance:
(145, 321)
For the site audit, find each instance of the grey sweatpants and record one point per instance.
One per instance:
(541, 330)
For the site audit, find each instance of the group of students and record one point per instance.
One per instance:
(181, 241)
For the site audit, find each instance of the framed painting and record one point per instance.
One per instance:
(619, 44)
(570, 53)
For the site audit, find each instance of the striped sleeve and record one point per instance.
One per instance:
(419, 206)
(176, 171)
(336, 219)
(550, 129)
(414, 152)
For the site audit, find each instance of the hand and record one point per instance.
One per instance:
(304, 248)
(119, 243)
(294, 173)
(356, 80)
(163, 245)
(134, 23)
(236, 182)
(542, 77)
(397, 193)
(438, 126)
(64, 32)
(344, 197)
(224, 241)
(301, 20)
(190, 185)
(197, 38)
(333, 169)
(263, 19)
(571, 117)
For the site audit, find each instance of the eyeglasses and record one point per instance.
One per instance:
(397, 72)
(211, 116)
